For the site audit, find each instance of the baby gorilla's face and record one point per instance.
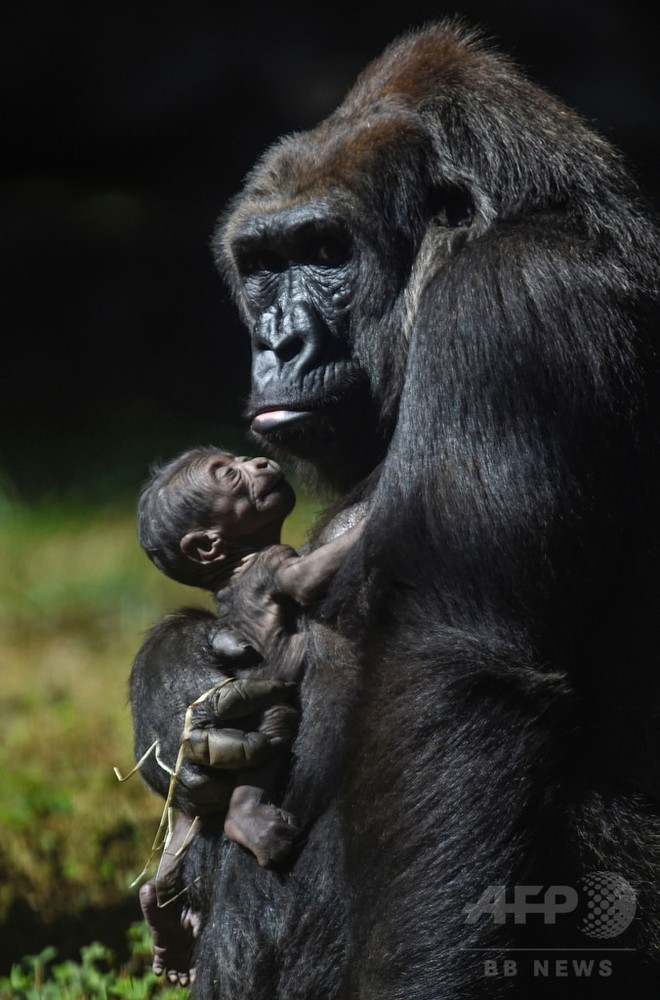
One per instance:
(245, 494)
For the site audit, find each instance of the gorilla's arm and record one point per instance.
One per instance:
(173, 668)
(517, 494)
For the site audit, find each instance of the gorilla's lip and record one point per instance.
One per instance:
(282, 416)
(273, 418)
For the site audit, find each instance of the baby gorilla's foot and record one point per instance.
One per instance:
(173, 929)
(270, 833)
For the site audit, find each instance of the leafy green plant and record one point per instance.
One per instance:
(97, 976)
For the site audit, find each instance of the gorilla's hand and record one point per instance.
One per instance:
(210, 744)
(229, 749)
(240, 698)
(178, 687)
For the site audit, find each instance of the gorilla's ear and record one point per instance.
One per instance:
(204, 546)
(451, 205)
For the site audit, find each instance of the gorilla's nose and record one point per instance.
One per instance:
(290, 337)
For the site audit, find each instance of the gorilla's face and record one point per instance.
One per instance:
(297, 269)
(301, 278)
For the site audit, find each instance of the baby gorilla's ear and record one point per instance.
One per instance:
(204, 546)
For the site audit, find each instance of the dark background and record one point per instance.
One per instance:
(128, 126)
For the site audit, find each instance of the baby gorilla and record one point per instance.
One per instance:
(213, 520)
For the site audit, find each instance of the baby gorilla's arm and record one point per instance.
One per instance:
(305, 578)
(264, 598)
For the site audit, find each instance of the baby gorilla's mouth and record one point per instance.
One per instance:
(262, 486)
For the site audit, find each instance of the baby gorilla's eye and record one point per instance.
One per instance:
(222, 471)
(230, 473)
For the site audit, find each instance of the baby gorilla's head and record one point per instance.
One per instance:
(202, 512)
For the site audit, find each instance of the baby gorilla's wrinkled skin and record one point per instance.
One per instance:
(226, 513)
(239, 503)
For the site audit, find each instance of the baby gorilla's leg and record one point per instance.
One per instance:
(267, 831)
(172, 923)
(173, 928)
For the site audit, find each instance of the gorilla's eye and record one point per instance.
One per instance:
(259, 262)
(325, 251)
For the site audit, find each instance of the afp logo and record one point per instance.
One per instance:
(610, 904)
(607, 904)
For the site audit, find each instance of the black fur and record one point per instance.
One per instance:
(484, 706)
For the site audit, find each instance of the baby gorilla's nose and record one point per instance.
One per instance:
(262, 464)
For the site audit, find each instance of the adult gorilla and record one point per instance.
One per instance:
(451, 290)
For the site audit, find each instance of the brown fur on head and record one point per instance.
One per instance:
(439, 141)
(416, 103)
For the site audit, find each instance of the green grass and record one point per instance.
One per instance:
(76, 596)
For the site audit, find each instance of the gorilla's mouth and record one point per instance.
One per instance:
(275, 419)
(342, 396)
